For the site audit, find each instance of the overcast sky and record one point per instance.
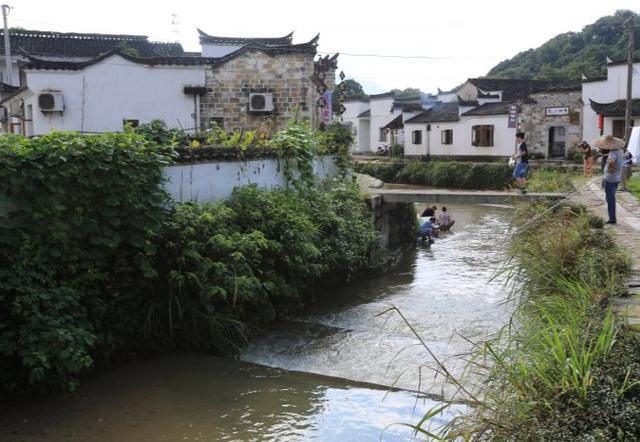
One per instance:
(461, 38)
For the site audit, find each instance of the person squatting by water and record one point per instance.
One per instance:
(587, 155)
(429, 211)
(444, 220)
(522, 164)
(425, 232)
(612, 170)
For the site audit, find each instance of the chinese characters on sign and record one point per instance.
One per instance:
(556, 111)
(513, 116)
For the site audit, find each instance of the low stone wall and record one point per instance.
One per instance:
(215, 180)
(396, 222)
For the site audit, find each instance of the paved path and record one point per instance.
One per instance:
(627, 235)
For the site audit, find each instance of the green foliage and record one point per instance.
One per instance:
(546, 180)
(552, 373)
(96, 265)
(242, 139)
(397, 150)
(157, 133)
(451, 174)
(241, 263)
(409, 92)
(76, 250)
(353, 89)
(296, 145)
(336, 140)
(565, 57)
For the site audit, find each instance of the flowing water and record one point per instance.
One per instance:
(323, 377)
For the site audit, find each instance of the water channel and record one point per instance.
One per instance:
(322, 377)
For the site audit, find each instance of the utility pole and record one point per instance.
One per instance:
(7, 44)
(627, 114)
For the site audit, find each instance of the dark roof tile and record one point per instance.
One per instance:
(499, 108)
(71, 44)
(512, 89)
(271, 41)
(440, 113)
(616, 108)
(365, 114)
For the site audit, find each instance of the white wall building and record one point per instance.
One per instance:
(356, 116)
(607, 96)
(102, 94)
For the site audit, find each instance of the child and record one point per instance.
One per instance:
(445, 221)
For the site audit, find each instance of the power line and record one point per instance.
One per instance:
(424, 57)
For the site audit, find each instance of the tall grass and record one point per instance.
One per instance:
(545, 180)
(544, 367)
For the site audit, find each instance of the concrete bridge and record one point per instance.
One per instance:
(439, 196)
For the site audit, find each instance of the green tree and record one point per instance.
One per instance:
(407, 92)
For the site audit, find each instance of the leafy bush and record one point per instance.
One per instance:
(157, 133)
(258, 255)
(76, 251)
(397, 150)
(451, 174)
(96, 265)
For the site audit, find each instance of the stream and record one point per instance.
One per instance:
(324, 376)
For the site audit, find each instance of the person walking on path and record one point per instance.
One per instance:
(520, 171)
(588, 157)
(612, 171)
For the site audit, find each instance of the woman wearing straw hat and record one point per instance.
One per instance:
(612, 170)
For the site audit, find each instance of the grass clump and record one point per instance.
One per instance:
(545, 180)
(563, 369)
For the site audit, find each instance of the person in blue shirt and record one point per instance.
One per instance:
(612, 171)
(426, 230)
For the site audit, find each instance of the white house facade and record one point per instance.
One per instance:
(104, 94)
(606, 96)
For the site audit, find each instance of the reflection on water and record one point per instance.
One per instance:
(443, 290)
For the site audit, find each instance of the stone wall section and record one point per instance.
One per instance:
(286, 76)
(536, 124)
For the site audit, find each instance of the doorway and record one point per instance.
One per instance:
(557, 141)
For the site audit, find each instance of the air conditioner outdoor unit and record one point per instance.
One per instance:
(260, 102)
(51, 102)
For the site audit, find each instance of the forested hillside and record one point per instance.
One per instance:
(566, 56)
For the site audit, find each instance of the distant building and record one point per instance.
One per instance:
(99, 82)
(607, 96)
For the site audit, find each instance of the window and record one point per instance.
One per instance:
(416, 137)
(216, 121)
(482, 135)
(130, 123)
(447, 136)
(383, 134)
(618, 128)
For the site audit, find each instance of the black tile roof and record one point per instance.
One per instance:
(212, 39)
(467, 103)
(624, 61)
(34, 62)
(71, 44)
(396, 123)
(440, 113)
(499, 108)
(595, 79)
(15, 93)
(383, 95)
(616, 108)
(40, 63)
(512, 89)
(7, 88)
(365, 114)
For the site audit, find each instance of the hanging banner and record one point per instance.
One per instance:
(327, 109)
(513, 116)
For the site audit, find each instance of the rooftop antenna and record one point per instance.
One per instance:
(175, 26)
